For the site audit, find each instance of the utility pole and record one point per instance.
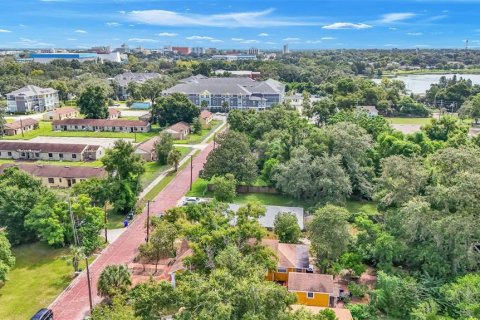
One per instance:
(214, 140)
(21, 127)
(148, 221)
(191, 172)
(105, 216)
(89, 285)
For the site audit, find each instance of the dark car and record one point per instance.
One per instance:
(43, 314)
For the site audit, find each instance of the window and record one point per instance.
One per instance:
(23, 154)
(282, 270)
(74, 181)
(60, 155)
(298, 270)
(74, 156)
(37, 154)
(310, 295)
(50, 155)
(51, 180)
(9, 154)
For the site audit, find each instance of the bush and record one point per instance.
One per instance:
(361, 312)
(224, 188)
(357, 290)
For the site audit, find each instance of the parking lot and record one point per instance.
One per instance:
(104, 142)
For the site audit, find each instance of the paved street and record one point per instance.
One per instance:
(73, 303)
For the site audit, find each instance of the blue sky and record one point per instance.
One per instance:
(303, 24)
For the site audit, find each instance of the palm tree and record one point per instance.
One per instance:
(174, 158)
(114, 279)
(77, 254)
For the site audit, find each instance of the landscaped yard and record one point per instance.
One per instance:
(45, 129)
(36, 280)
(197, 138)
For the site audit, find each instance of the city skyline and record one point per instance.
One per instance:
(265, 25)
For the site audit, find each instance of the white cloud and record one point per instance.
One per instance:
(216, 40)
(414, 33)
(396, 17)
(270, 42)
(421, 46)
(113, 24)
(4, 31)
(346, 25)
(252, 19)
(291, 39)
(142, 40)
(199, 38)
(80, 31)
(263, 34)
(327, 38)
(237, 39)
(392, 28)
(71, 39)
(250, 41)
(167, 34)
(32, 43)
(391, 45)
(313, 41)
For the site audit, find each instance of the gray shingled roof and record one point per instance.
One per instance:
(234, 86)
(32, 90)
(138, 77)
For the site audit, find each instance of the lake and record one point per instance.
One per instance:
(419, 83)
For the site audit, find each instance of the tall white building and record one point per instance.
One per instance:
(32, 99)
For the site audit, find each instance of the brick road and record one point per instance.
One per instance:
(73, 303)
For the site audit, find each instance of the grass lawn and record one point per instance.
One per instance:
(115, 221)
(153, 169)
(197, 138)
(36, 280)
(421, 121)
(45, 129)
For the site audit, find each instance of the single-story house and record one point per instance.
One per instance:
(291, 258)
(19, 150)
(268, 220)
(60, 114)
(101, 125)
(146, 149)
(370, 110)
(58, 176)
(179, 130)
(114, 113)
(146, 117)
(341, 313)
(16, 127)
(313, 289)
(205, 117)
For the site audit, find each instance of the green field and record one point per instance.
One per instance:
(420, 121)
(38, 277)
(198, 138)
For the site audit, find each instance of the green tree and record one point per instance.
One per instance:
(475, 107)
(352, 262)
(160, 244)
(225, 188)
(97, 189)
(286, 227)
(163, 147)
(153, 300)
(322, 110)
(152, 88)
(93, 102)
(463, 297)
(7, 260)
(174, 157)
(75, 257)
(134, 90)
(113, 281)
(174, 108)
(197, 126)
(329, 235)
(62, 87)
(444, 128)
(119, 309)
(89, 220)
(233, 156)
(3, 121)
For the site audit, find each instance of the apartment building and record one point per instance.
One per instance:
(237, 93)
(19, 150)
(101, 125)
(122, 81)
(32, 99)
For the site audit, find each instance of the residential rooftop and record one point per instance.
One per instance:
(52, 171)
(311, 282)
(31, 91)
(45, 147)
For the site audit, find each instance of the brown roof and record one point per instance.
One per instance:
(341, 313)
(182, 252)
(289, 255)
(113, 111)
(102, 122)
(50, 171)
(180, 127)
(310, 282)
(24, 123)
(43, 147)
(62, 111)
(149, 145)
(205, 114)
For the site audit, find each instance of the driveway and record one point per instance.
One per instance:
(104, 142)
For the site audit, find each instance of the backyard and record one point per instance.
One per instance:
(39, 275)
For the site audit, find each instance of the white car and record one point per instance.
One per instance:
(191, 200)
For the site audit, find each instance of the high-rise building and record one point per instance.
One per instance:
(185, 51)
(198, 50)
(285, 49)
(254, 51)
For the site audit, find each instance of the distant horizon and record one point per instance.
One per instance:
(267, 24)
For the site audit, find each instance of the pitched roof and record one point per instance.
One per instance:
(205, 114)
(51, 171)
(19, 123)
(32, 90)
(179, 127)
(367, 108)
(138, 77)
(235, 86)
(62, 111)
(182, 252)
(310, 282)
(289, 255)
(341, 313)
(113, 111)
(44, 147)
(102, 122)
(148, 145)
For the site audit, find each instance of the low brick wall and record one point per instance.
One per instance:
(250, 189)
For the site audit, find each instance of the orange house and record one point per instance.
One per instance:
(311, 289)
(291, 258)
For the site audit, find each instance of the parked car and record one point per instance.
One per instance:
(43, 314)
(191, 200)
